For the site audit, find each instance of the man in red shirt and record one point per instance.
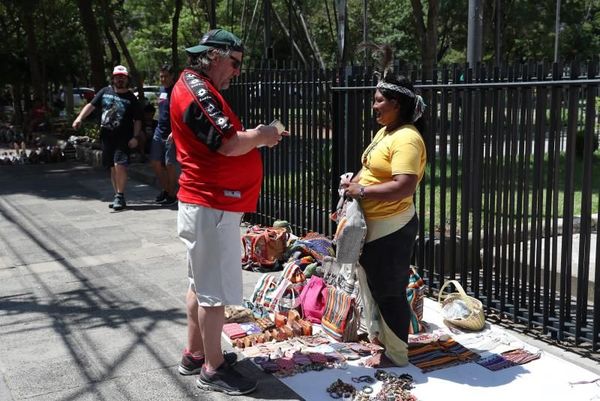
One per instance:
(221, 175)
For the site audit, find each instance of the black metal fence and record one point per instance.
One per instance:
(509, 204)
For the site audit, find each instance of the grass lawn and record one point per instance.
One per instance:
(502, 198)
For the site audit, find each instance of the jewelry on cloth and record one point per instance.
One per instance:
(363, 379)
(339, 389)
(367, 389)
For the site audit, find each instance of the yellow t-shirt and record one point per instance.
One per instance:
(392, 153)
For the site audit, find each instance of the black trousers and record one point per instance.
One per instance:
(386, 262)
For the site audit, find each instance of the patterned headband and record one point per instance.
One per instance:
(419, 103)
(396, 88)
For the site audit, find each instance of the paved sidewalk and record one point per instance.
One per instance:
(92, 301)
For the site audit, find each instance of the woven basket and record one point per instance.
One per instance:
(476, 319)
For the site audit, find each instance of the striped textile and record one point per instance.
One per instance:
(336, 314)
(508, 359)
(439, 355)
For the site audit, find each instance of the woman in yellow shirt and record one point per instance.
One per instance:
(392, 167)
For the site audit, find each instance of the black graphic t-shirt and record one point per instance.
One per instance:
(119, 110)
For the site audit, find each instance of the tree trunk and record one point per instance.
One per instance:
(311, 42)
(426, 34)
(174, 29)
(32, 50)
(133, 72)
(17, 96)
(287, 33)
(94, 43)
(115, 56)
(249, 29)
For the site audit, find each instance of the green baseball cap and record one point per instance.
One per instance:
(217, 38)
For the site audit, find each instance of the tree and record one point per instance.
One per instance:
(27, 17)
(94, 44)
(427, 33)
(174, 29)
(136, 79)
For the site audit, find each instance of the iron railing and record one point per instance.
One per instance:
(509, 204)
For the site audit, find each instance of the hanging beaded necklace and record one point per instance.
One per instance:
(366, 159)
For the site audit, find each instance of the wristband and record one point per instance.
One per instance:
(361, 192)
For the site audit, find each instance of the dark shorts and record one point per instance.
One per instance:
(114, 152)
(163, 150)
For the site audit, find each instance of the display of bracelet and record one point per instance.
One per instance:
(339, 389)
(395, 388)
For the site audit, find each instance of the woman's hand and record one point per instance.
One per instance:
(353, 190)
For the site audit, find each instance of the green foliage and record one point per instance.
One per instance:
(580, 141)
(391, 22)
(527, 32)
(91, 129)
(59, 40)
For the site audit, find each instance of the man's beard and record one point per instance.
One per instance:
(120, 84)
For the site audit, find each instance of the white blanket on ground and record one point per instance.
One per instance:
(547, 378)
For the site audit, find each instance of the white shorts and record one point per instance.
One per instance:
(214, 255)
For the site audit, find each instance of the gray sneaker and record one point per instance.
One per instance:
(191, 365)
(225, 380)
(119, 202)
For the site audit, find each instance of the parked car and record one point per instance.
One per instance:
(150, 93)
(81, 96)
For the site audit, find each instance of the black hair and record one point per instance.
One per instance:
(406, 103)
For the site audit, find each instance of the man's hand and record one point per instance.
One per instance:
(133, 143)
(86, 111)
(269, 135)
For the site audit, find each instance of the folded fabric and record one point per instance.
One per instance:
(440, 354)
(233, 330)
(250, 328)
(521, 356)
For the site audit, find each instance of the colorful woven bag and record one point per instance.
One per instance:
(312, 299)
(263, 247)
(341, 318)
(264, 289)
(414, 294)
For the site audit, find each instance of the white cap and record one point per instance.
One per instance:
(120, 70)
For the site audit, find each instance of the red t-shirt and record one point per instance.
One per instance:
(199, 124)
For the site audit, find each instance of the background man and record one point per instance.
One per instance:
(120, 125)
(221, 175)
(162, 153)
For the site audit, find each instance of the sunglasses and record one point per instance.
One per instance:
(236, 63)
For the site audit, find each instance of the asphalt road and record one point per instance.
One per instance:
(92, 300)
